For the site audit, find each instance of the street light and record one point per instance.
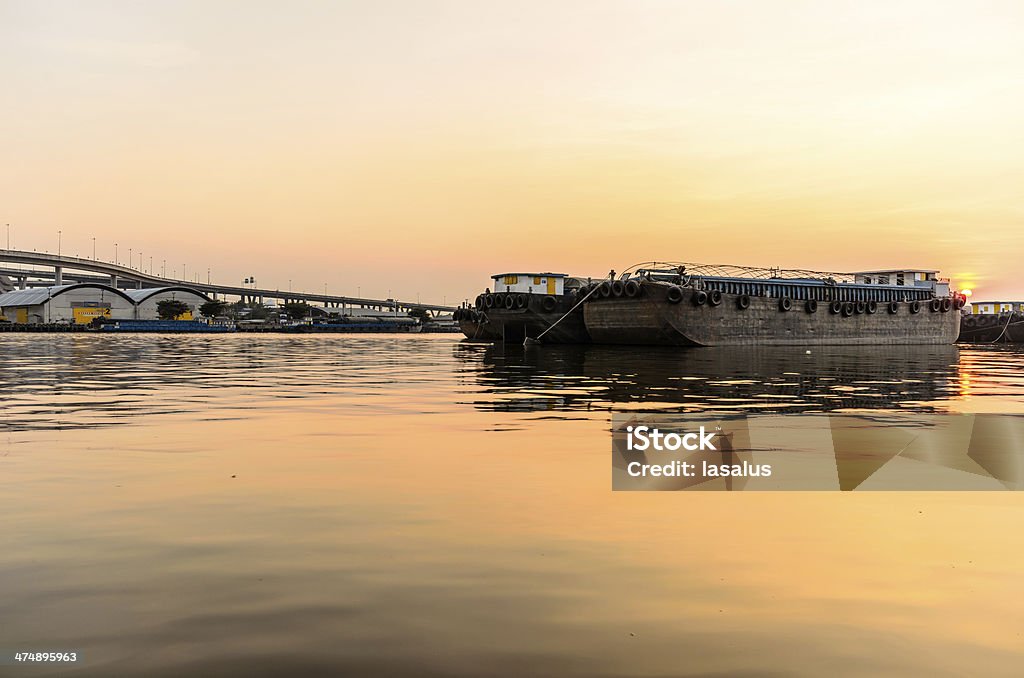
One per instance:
(58, 242)
(94, 249)
(115, 253)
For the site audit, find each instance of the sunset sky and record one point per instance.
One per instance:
(419, 146)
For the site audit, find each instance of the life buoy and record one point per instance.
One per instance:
(675, 295)
(700, 298)
(632, 288)
(605, 290)
(836, 307)
(743, 302)
(510, 301)
(894, 307)
(934, 305)
(861, 307)
(549, 303)
(715, 297)
(872, 307)
(848, 309)
(520, 301)
(915, 306)
(811, 306)
(618, 288)
(946, 305)
(785, 303)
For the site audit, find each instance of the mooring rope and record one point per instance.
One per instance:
(566, 313)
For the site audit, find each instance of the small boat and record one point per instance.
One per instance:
(537, 306)
(992, 322)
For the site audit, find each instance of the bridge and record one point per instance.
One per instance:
(52, 269)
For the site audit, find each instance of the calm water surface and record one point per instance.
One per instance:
(423, 506)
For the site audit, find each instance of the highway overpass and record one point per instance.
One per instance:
(52, 269)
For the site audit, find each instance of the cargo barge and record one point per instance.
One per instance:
(528, 306)
(993, 322)
(700, 305)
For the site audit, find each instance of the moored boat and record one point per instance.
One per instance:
(699, 305)
(991, 322)
(542, 306)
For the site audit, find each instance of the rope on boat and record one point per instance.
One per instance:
(565, 314)
(1009, 317)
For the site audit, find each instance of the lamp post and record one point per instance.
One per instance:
(94, 249)
(58, 242)
(129, 257)
(115, 253)
(8, 236)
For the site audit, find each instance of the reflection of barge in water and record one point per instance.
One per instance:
(694, 305)
(993, 322)
(527, 305)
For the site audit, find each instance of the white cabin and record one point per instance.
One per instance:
(979, 307)
(904, 278)
(530, 283)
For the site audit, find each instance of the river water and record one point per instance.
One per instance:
(422, 506)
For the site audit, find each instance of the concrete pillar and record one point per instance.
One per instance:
(23, 282)
(113, 281)
(58, 275)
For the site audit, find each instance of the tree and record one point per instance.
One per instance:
(212, 309)
(169, 309)
(296, 310)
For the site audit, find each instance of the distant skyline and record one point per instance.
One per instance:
(419, 147)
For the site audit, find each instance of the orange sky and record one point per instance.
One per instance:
(421, 146)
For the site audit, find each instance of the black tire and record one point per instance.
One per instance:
(521, 301)
(479, 302)
(510, 301)
(743, 302)
(715, 297)
(915, 306)
(632, 288)
(872, 307)
(811, 306)
(499, 300)
(947, 305)
(835, 308)
(970, 321)
(488, 301)
(934, 305)
(700, 298)
(618, 288)
(605, 290)
(848, 309)
(675, 295)
(894, 307)
(785, 304)
(549, 303)
(861, 307)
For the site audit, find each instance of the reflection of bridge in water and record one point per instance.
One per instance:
(45, 269)
(725, 379)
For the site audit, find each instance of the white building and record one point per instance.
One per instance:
(146, 301)
(77, 304)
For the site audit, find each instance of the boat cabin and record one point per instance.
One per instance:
(904, 278)
(980, 307)
(530, 283)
